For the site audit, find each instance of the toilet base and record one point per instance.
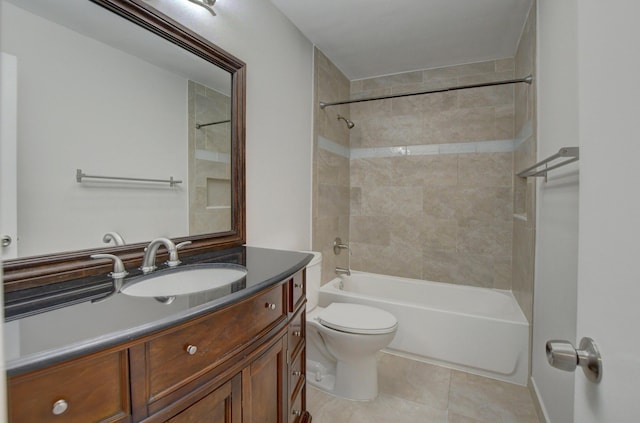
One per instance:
(357, 381)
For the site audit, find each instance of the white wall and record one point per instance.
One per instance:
(557, 207)
(279, 112)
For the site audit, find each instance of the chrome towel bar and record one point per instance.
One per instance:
(80, 176)
(573, 154)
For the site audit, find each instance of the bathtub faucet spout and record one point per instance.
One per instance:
(343, 271)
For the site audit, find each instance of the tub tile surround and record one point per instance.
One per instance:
(331, 187)
(525, 155)
(412, 391)
(431, 185)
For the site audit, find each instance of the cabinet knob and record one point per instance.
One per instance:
(297, 285)
(59, 407)
(270, 306)
(192, 349)
(297, 333)
(297, 373)
(296, 413)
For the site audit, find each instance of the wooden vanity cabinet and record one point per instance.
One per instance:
(243, 363)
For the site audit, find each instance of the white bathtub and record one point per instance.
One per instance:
(477, 330)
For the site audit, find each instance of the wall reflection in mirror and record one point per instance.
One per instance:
(98, 93)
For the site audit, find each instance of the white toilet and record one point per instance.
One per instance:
(342, 342)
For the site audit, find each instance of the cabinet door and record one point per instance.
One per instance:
(264, 387)
(221, 406)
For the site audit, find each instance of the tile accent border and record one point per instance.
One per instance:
(333, 147)
(212, 156)
(492, 146)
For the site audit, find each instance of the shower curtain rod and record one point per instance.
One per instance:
(527, 79)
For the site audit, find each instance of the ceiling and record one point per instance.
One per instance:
(367, 38)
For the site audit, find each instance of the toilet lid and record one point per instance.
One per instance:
(356, 318)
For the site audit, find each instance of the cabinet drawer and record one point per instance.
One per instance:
(296, 375)
(91, 389)
(297, 331)
(295, 410)
(177, 357)
(296, 290)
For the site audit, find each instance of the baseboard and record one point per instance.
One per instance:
(543, 417)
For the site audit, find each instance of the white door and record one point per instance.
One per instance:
(609, 234)
(8, 156)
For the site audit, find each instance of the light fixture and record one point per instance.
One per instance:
(207, 4)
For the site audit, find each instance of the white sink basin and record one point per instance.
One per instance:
(185, 280)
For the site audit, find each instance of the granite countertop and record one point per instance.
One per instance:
(41, 330)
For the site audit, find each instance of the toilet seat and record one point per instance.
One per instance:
(357, 319)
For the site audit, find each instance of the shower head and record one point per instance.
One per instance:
(348, 122)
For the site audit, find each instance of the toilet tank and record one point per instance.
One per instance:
(314, 276)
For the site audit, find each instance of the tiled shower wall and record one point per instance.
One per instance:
(330, 170)
(525, 155)
(439, 204)
(429, 190)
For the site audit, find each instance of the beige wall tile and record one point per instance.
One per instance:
(439, 235)
(392, 80)
(476, 270)
(507, 64)
(394, 260)
(484, 204)
(371, 230)
(486, 169)
(440, 266)
(440, 202)
(332, 168)
(474, 68)
(523, 266)
(459, 125)
(392, 201)
(476, 237)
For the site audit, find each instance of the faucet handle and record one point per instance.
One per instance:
(115, 237)
(173, 255)
(182, 244)
(118, 267)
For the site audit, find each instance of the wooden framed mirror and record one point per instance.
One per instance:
(62, 219)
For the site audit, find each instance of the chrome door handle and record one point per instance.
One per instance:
(562, 355)
(6, 240)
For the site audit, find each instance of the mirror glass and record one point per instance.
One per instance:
(100, 96)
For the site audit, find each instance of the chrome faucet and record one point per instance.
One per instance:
(343, 271)
(149, 259)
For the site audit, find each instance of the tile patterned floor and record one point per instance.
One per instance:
(411, 391)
